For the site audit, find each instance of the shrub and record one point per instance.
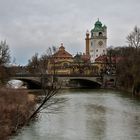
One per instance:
(15, 108)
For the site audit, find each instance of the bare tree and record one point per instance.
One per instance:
(43, 63)
(4, 59)
(49, 94)
(48, 101)
(40, 64)
(33, 64)
(133, 38)
(44, 59)
(50, 87)
(4, 53)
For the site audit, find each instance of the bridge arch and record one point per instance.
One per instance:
(84, 83)
(31, 83)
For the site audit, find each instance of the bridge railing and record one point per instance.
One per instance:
(77, 75)
(60, 75)
(27, 75)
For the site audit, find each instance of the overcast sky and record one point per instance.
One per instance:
(31, 26)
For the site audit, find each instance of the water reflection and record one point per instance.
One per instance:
(88, 115)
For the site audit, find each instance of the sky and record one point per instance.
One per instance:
(31, 26)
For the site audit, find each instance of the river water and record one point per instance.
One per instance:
(88, 115)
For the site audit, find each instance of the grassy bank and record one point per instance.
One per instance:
(15, 108)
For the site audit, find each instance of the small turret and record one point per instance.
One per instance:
(62, 48)
(87, 42)
(98, 24)
(87, 33)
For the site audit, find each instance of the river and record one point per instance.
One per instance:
(88, 115)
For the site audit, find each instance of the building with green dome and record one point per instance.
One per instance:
(96, 41)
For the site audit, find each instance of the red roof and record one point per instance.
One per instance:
(105, 59)
(61, 53)
(85, 58)
(102, 58)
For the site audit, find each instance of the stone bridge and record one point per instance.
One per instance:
(35, 81)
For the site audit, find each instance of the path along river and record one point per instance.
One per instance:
(88, 115)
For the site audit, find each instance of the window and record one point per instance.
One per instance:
(91, 43)
(96, 50)
(100, 34)
(65, 64)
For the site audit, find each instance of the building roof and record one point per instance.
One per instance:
(98, 23)
(61, 53)
(86, 58)
(105, 59)
(98, 27)
(101, 58)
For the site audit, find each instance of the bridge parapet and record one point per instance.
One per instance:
(45, 78)
(39, 77)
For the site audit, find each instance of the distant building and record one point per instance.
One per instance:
(90, 62)
(60, 62)
(96, 41)
(108, 63)
(82, 58)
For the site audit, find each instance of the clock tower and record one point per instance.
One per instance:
(97, 41)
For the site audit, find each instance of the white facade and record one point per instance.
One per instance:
(98, 41)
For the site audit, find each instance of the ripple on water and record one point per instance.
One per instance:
(88, 115)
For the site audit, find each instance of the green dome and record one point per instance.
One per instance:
(98, 24)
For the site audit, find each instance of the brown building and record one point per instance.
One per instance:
(60, 62)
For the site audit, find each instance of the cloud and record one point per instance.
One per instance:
(33, 26)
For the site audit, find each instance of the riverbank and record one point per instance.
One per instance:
(15, 108)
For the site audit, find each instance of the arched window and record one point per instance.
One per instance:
(100, 34)
(65, 64)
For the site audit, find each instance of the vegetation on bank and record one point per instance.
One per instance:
(15, 108)
(128, 66)
(18, 107)
(4, 60)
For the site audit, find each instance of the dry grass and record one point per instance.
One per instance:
(15, 108)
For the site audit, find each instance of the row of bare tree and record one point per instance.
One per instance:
(40, 64)
(128, 66)
(36, 65)
(4, 59)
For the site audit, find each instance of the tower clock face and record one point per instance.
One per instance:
(100, 43)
